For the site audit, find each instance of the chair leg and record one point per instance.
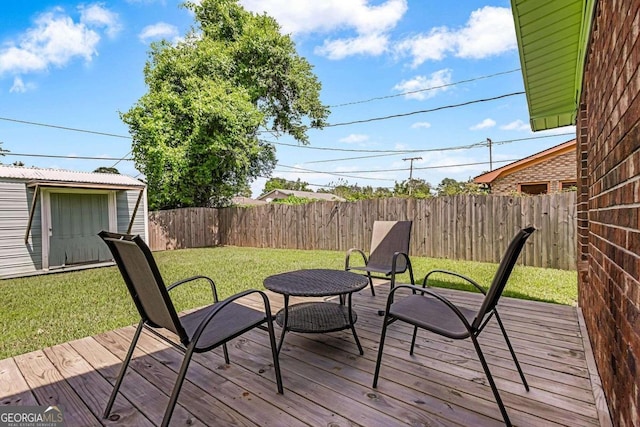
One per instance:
(274, 353)
(225, 352)
(513, 353)
(379, 360)
(413, 340)
(123, 368)
(492, 383)
(182, 373)
(373, 293)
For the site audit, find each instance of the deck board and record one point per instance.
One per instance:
(326, 381)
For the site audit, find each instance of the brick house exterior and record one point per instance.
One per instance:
(600, 93)
(609, 203)
(548, 171)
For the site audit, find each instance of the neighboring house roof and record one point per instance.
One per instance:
(65, 178)
(552, 42)
(273, 194)
(534, 159)
(240, 200)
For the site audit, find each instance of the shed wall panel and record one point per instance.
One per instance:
(16, 256)
(126, 202)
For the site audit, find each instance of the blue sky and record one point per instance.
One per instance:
(76, 65)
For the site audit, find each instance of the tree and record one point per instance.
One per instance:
(105, 169)
(195, 132)
(451, 187)
(283, 184)
(2, 151)
(416, 188)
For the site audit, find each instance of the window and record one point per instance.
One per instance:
(568, 186)
(534, 188)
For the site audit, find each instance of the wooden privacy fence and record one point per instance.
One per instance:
(183, 228)
(475, 228)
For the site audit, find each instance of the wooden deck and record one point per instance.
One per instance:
(327, 383)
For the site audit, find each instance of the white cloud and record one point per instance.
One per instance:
(421, 125)
(158, 31)
(423, 87)
(485, 124)
(369, 44)
(432, 46)
(307, 16)
(20, 87)
(355, 138)
(518, 125)
(370, 23)
(489, 31)
(55, 40)
(96, 15)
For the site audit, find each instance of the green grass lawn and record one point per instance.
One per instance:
(42, 311)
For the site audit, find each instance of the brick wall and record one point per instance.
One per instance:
(609, 143)
(552, 171)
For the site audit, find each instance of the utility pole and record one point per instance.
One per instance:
(490, 155)
(411, 159)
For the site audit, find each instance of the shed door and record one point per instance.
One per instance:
(75, 221)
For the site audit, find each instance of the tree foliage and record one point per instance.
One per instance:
(451, 187)
(106, 169)
(283, 184)
(195, 132)
(416, 188)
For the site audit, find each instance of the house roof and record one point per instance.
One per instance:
(66, 178)
(241, 200)
(534, 159)
(302, 194)
(552, 41)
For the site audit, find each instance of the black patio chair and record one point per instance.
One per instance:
(426, 309)
(389, 254)
(198, 331)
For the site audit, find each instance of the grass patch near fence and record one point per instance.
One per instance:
(41, 311)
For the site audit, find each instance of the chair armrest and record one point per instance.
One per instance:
(453, 273)
(445, 301)
(348, 256)
(394, 262)
(222, 304)
(193, 278)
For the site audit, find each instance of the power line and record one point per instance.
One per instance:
(305, 171)
(459, 147)
(351, 150)
(123, 158)
(343, 175)
(64, 128)
(66, 157)
(411, 113)
(377, 98)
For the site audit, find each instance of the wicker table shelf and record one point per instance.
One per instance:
(316, 316)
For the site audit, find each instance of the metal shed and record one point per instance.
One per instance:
(49, 219)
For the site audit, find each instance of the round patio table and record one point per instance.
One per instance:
(317, 316)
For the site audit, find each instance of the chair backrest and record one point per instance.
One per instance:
(387, 238)
(142, 277)
(502, 275)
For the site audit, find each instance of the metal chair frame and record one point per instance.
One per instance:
(487, 311)
(188, 344)
(388, 271)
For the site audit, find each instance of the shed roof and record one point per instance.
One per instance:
(552, 40)
(489, 177)
(59, 177)
(302, 194)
